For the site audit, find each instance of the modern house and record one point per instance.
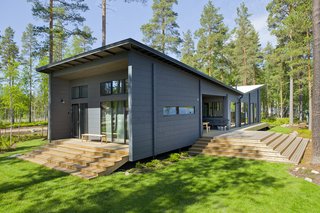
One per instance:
(136, 95)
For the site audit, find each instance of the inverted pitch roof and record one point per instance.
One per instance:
(248, 88)
(123, 46)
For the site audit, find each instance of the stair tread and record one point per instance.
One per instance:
(271, 138)
(281, 147)
(278, 141)
(297, 155)
(292, 147)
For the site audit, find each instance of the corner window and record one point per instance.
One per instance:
(113, 87)
(79, 92)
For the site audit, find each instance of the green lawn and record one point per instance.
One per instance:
(305, 133)
(199, 184)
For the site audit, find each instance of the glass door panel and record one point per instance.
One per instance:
(106, 120)
(75, 120)
(114, 120)
(118, 123)
(83, 118)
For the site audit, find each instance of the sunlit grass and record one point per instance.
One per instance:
(198, 184)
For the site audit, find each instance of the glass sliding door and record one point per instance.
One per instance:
(75, 120)
(114, 121)
(106, 120)
(79, 119)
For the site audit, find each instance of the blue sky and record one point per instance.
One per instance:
(124, 20)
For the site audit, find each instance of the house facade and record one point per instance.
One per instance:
(136, 95)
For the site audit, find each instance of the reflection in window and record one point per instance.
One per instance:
(169, 110)
(175, 110)
(79, 92)
(113, 87)
(186, 110)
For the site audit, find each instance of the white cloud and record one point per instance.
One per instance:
(261, 25)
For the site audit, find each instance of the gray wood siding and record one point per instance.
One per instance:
(60, 112)
(152, 132)
(140, 107)
(175, 88)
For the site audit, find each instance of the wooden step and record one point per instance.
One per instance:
(292, 147)
(297, 155)
(278, 141)
(282, 147)
(266, 158)
(270, 139)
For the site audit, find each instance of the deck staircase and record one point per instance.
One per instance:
(267, 146)
(84, 159)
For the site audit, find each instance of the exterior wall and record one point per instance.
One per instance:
(253, 97)
(94, 99)
(157, 84)
(60, 109)
(61, 113)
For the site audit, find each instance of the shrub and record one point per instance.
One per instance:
(174, 157)
(153, 164)
(139, 165)
(184, 154)
(276, 121)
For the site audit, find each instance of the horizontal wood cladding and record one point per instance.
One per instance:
(60, 109)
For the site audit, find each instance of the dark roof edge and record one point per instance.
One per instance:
(183, 65)
(145, 47)
(97, 50)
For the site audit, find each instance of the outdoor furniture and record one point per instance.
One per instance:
(217, 122)
(85, 137)
(206, 125)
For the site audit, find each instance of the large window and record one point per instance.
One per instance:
(178, 110)
(114, 87)
(79, 92)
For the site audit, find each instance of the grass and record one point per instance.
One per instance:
(283, 130)
(198, 184)
(305, 133)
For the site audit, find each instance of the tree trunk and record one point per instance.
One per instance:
(281, 102)
(51, 32)
(316, 83)
(300, 99)
(291, 101)
(309, 86)
(104, 22)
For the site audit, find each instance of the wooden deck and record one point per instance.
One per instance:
(255, 127)
(261, 145)
(84, 159)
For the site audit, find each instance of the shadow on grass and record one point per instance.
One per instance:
(206, 180)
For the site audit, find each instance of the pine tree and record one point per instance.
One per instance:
(246, 47)
(9, 53)
(161, 33)
(188, 52)
(29, 53)
(81, 43)
(104, 18)
(290, 22)
(60, 41)
(316, 84)
(212, 37)
(64, 12)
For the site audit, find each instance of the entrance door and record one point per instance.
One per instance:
(79, 119)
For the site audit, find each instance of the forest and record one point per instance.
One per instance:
(233, 56)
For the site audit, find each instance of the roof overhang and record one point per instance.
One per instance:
(125, 46)
(249, 88)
